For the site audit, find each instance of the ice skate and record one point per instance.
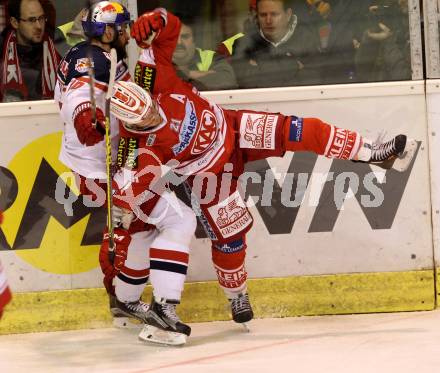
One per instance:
(241, 309)
(396, 153)
(127, 314)
(163, 326)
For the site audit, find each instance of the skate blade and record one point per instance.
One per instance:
(246, 327)
(402, 162)
(123, 322)
(155, 335)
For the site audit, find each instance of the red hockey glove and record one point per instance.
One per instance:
(144, 26)
(88, 133)
(122, 240)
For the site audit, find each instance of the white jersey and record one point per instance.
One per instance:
(73, 89)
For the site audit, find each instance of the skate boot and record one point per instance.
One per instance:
(163, 326)
(241, 308)
(396, 153)
(127, 314)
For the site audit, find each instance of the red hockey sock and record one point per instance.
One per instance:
(314, 135)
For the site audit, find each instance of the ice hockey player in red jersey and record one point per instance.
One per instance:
(5, 293)
(83, 150)
(201, 139)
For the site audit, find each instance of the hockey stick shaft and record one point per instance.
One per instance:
(108, 145)
(91, 69)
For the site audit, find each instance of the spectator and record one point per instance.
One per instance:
(279, 52)
(384, 52)
(226, 47)
(334, 24)
(26, 75)
(69, 34)
(2, 17)
(204, 69)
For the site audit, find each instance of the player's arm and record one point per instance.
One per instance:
(154, 70)
(78, 108)
(159, 28)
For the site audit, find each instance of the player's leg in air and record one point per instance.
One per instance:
(265, 135)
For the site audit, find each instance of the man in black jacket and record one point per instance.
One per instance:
(26, 75)
(279, 52)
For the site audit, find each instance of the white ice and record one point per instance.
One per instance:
(376, 343)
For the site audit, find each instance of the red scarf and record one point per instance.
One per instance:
(11, 77)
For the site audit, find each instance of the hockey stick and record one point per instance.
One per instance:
(112, 77)
(91, 70)
(108, 159)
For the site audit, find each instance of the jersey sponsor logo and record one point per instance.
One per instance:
(128, 152)
(187, 129)
(257, 131)
(231, 216)
(231, 247)
(296, 129)
(145, 76)
(206, 134)
(341, 143)
(82, 65)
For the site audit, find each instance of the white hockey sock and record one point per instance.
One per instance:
(365, 150)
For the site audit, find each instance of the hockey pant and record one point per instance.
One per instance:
(160, 254)
(219, 203)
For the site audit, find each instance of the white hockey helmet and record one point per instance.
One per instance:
(102, 14)
(130, 103)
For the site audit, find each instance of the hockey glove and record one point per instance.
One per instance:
(88, 133)
(122, 240)
(145, 26)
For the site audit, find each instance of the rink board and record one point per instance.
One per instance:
(44, 250)
(204, 301)
(433, 113)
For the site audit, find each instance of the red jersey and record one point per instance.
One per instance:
(197, 133)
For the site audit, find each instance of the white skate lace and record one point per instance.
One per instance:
(170, 312)
(138, 306)
(382, 151)
(240, 304)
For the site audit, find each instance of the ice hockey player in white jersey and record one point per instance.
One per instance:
(83, 150)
